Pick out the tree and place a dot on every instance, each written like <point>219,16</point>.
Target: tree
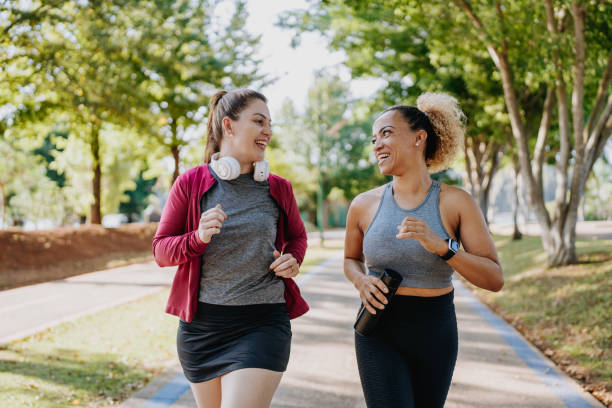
<point>129,64</point>
<point>563,29</point>
<point>539,51</point>
<point>77,59</point>
<point>185,61</point>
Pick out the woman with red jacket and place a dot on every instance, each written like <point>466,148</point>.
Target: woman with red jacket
<point>235,233</point>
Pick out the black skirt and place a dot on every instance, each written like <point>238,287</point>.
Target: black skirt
<point>221,339</point>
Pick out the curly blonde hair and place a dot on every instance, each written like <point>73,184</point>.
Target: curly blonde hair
<point>447,120</point>
<point>440,116</point>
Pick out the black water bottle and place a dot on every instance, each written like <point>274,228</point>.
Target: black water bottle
<point>366,321</point>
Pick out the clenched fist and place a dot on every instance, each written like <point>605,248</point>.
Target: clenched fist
<point>285,266</point>
<point>210,223</point>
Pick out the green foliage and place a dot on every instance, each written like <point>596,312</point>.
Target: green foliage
<point>137,197</point>
<point>26,193</point>
<point>126,80</point>
<point>46,151</point>
<point>412,46</point>
<point>448,177</point>
<point>333,140</point>
<point>185,61</point>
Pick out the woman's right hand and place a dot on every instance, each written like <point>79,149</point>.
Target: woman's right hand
<point>371,292</point>
<point>210,223</point>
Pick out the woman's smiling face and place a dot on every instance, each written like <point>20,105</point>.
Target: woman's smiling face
<point>395,144</point>
<point>250,134</point>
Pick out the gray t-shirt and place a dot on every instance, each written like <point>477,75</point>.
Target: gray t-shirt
<point>236,262</point>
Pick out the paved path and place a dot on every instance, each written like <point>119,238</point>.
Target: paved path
<point>496,367</point>
<point>30,309</point>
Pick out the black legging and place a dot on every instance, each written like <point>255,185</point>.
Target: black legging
<point>408,362</point>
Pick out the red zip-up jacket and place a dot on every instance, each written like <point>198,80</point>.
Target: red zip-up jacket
<point>176,241</point>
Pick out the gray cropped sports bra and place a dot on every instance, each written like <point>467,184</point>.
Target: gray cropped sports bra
<point>419,267</point>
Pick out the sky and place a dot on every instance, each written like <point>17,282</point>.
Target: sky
<point>294,68</point>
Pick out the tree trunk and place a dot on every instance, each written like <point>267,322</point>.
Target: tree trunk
<point>482,162</point>
<point>563,251</point>
<point>96,213</point>
<point>176,155</point>
<point>577,187</point>
<point>175,150</point>
<point>3,205</point>
<point>516,233</point>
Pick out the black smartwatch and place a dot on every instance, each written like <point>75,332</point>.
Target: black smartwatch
<point>453,248</point>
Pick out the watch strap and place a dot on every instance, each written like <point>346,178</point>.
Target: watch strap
<point>449,254</point>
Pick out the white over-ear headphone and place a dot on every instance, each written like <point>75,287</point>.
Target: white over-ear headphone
<point>228,168</point>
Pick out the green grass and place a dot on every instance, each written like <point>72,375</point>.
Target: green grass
<point>565,311</point>
<point>93,361</point>
<point>103,358</point>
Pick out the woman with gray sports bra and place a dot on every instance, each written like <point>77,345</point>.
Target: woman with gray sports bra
<point>413,225</point>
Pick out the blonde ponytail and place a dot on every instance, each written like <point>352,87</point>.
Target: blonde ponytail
<point>214,128</point>
<point>447,121</point>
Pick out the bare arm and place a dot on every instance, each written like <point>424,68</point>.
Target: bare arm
<point>370,287</point>
<point>478,262</point>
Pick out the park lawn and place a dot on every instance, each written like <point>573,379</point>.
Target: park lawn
<point>93,361</point>
<point>565,311</point>
<point>100,359</point>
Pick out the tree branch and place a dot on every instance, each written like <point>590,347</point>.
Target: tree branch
<point>500,17</point>
<point>482,32</point>
<point>23,16</point>
<point>602,90</point>
<point>495,156</point>
<point>598,139</point>
<point>579,14</point>
<point>514,111</point>
<point>468,163</point>
<point>578,10</point>
<point>550,17</point>
<point>543,131</point>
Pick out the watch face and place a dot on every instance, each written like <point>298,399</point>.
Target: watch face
<point>454,245</point>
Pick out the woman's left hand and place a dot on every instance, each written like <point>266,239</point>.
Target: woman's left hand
<point>285,266</point>
<point>416,228</point>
